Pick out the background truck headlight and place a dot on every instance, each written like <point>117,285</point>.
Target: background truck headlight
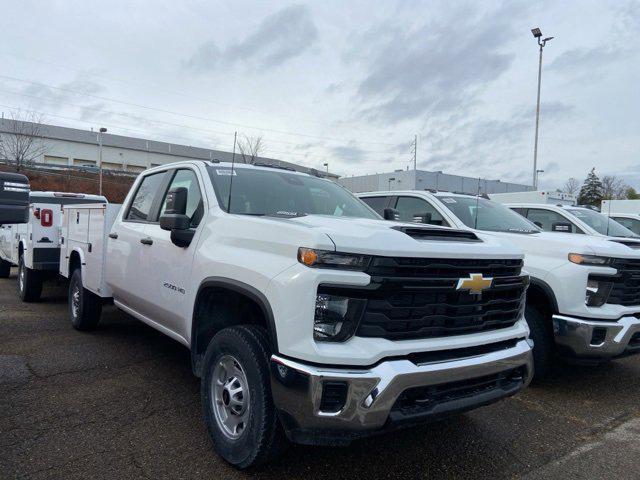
<point>336,317</point>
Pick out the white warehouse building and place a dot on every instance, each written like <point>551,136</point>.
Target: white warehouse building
<point>62,146</point>
<point>426,180</point>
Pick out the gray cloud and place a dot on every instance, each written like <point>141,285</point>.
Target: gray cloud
<point>280,37</point>
<point>435,69</point>
<point>349,154</point>
<point>74,91</point>
<point>578,60</point>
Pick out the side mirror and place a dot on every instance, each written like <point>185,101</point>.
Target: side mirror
<point>564,227</point>
<point>174,218</point>
<point>425,218</point>
<point>390,214</point>
<point>14,198</point>
<point>538,224</point>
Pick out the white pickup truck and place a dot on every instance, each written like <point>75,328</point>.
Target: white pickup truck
<point>308,317</point>
<point>583,303</point>
<point>34,247</point>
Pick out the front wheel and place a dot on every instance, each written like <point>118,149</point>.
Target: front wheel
<point>29,282</point>
<point>85,307</point>
<point>543,342</point>
<point>236,397</point>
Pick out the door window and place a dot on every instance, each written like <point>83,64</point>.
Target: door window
<point>414,209</point>
<point>546,218</point>
<point>195,207</point>
<point>376,203</point>
<point>140,209</point>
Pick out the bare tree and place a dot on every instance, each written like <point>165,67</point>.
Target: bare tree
<point>250,148</point>
<point>613,187</point>
<point>571,187</point>
<point>21,138</point>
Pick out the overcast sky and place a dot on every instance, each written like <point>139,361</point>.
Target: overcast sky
<point>348,83</point>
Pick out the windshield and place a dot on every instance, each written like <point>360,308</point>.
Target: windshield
<point>601,223</point>
<point>280,193</point>
<point>491,216</point>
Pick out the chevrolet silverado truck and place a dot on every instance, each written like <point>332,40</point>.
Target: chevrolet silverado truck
<point>583,303</point>
<point>308,317</point>
<point>34,247</point>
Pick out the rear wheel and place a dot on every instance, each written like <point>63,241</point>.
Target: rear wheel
<point>236,397</point>
<point>29,282</point>
<point>5,269</point>
<point>544,342</point>
<point>85,307</point>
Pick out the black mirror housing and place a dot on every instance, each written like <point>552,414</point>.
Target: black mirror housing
<point>14,198</point>
<point>390,214</point>
<point>177,201</point>
<point>425,218</point>
<point>174,221</point>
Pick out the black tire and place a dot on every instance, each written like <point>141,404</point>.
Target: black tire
<point>29,282</point>
<point>544,343</point>
<point>262,437</point>
<point>5,269</point>
<point>85,307</point>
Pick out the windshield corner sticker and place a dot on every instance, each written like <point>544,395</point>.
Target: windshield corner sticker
<point>225,171</point>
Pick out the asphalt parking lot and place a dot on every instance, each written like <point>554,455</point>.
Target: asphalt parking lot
<point>121,402</point>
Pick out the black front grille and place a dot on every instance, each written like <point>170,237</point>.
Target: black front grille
<point>421,400</point>
<point>411,298</point>
<point>626,283</point>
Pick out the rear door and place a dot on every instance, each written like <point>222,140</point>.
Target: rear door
<point>128,245</point>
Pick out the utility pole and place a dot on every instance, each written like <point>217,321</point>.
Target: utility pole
<point>100,132</point>
<point>415,162</point>
<point>537,34</point>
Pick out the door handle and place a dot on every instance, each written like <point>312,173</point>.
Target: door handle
<point>146,241</point>
<point>113,235</point>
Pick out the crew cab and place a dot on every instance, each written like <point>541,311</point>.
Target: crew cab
<point>308,317</point>
<point>583,303</point>
<point>570,219</point>
<point>34,247</point>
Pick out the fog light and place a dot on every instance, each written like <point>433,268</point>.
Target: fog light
<point>597,292</point>
<point>336,317</point>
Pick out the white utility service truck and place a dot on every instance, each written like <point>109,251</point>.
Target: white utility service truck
<point>620,206</point>
<point>583,303</point>
<point>34,247</point>
<point>535,196</point>
<point>308,317</point>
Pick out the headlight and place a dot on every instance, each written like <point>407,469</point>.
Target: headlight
<point>327,259</point>
<point>589,260</point>
<point>597,292</point>
<point>336,317</point>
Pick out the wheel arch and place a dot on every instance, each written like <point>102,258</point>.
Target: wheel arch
<point>541,295</point>
<point>237,287</point>
<point>76,260</point>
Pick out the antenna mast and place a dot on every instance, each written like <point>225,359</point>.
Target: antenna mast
<point>475,223</point>
<point>233,163</point>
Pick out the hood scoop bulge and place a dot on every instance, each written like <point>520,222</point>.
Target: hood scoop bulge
<point>438,234</point>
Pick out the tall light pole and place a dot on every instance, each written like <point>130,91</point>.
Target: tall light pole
<point>537,34</point>
<point>100,132</point>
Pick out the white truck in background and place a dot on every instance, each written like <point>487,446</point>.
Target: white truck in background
<point>34,247</point>
<point>620,206</point>
<point>535,196</point>
<point>307,316</point>
<point>583,303</point>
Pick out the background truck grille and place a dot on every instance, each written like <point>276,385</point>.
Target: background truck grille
<point>412,298</point>
<point>626,283</point>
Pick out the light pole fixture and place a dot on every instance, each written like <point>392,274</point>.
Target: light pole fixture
<point>537,34</point>
<point>326,165</point>
<point>538,172</point>
<point>100,132</point>
<point>392,179</point>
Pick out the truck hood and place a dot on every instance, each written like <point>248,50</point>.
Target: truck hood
<point>565,243</point>
<point>385,238</point>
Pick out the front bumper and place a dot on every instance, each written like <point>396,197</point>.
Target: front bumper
<point>595,339</point>
<point>370,402</point>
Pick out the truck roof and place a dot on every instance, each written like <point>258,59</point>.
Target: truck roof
<point>62,198</point>
<point>237,165</point>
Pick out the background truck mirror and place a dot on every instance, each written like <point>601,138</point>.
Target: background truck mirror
<point>177,201</point>
<point>425,218</point>
<point>562,227</point>
<point>174,221</point>
<point>14,198</point>
<point>391,214</point>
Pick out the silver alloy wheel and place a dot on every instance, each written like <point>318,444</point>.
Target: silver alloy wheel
<point>75,300</point>
<point>230,397</point>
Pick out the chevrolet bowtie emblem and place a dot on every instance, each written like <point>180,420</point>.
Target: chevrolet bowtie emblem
<point>476,283</point>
